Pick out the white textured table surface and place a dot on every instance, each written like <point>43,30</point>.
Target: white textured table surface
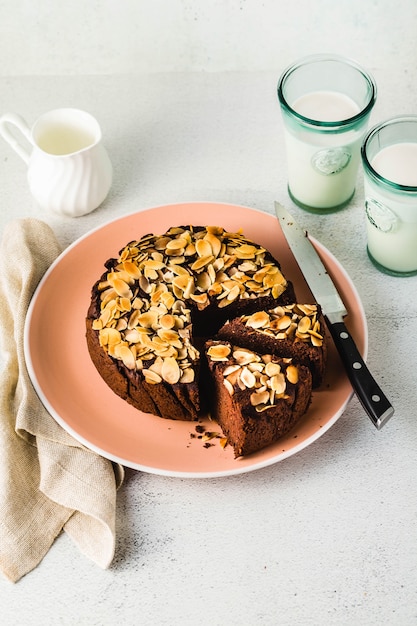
<point>328,536</point>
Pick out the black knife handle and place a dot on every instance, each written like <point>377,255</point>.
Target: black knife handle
<point>366,388</point>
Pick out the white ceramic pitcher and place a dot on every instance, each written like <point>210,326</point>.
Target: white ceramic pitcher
<point>69,171</point>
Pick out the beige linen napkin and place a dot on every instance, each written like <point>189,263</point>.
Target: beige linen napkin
<point>48,481</point>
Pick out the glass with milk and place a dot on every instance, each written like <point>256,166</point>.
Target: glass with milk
<point>326,102</point>
<point>389,157</point>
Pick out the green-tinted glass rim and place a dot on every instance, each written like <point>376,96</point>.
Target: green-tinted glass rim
<point>319,123</point>
<point>400,119</point>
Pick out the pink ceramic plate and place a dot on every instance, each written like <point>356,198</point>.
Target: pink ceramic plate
<point>76,396</point>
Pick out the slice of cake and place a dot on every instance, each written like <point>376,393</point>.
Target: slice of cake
<point>294,331</point>
<point>256,398</point>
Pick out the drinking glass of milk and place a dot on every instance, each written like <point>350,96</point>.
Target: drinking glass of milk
<point>389,157</point>
<point>326,101</point>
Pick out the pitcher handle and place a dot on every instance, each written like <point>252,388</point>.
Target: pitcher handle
<point>18,121</point>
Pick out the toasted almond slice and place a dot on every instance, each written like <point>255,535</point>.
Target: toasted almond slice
<point>168,300</point>
<point>292,374</point>
<point>201,299</point>
<point>256,367</point>
<point>113,336</point>
<point>167,321</point>
<point>245,251</point>
<point>119,273</point>
<point>277,290</point>
<point>272,369</point>
<point>148,319</point>
<point>107,296</point>
<point>304,325</point>
<point>263,407</point>
<point>127,356</point>
<point>317,343</point>
<point>134,318</point>
<point>151,377</point>
<point>230,369</point>
<point>214,242</point>
<point>171,372</point>
<point>161,243</point>
<point>145,285</point>
<point>153,264</point>
<point>277,382</point>
<point>219,352</point>
<point>244,357</point>
<point>257,398</point>
<point>307,309</point>
<point>131,269</point>
<point>203,281</point>
<point>228,386</point>
<point>233,293</point>
<point>170,336</point>
<point>176,244</point>
<point>124,304</point>
<point>187,375</point>
<point>202,262</point>
<point>203,248</point>
<point>260,319</point>
<point>248,378</point>
<point>282,323</point>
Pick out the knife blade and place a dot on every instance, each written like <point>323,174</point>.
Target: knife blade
<point>372,398</point>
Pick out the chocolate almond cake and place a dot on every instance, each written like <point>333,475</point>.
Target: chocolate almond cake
<point>161,297</point>
<point>257,398</point>
<point>157,307</point>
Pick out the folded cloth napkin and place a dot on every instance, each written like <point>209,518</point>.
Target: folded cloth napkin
<point>48,481</point>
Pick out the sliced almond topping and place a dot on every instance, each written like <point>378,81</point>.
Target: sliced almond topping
<point>218,352</point>
<point>203,281</point>
<point>260,319</point>
<point>148,319</point>
<point>203,248</point>
<point>131,269</point>
<point>272,369</point>
<point>202,262</point>
<point>121,288</point>
<point>317,343</point>
<point>304,324</point>
<point>170,336</point>
<point>230,369</point>
<point>214,242</point>
<point>228,386</point>
<point>244,357</point>
<point>176,244</point>
<point>248,378</point>
<point>245,251</point>
<point>151,377</point>
<point>200,299</point>
<point>127,356</point>
<point>171,372</point>
<point>277,383</point>
<point>233,293</point>
<point>292,374</point>
<point>187,376</point>
<point>167,321</point>
<point>259,398</point>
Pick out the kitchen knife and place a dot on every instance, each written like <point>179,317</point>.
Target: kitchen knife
<point>373,400</point>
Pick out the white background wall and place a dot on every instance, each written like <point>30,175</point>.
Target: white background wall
<point>134,36</point>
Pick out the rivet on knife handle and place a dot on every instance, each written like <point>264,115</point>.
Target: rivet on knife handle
<point>369,393</point>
